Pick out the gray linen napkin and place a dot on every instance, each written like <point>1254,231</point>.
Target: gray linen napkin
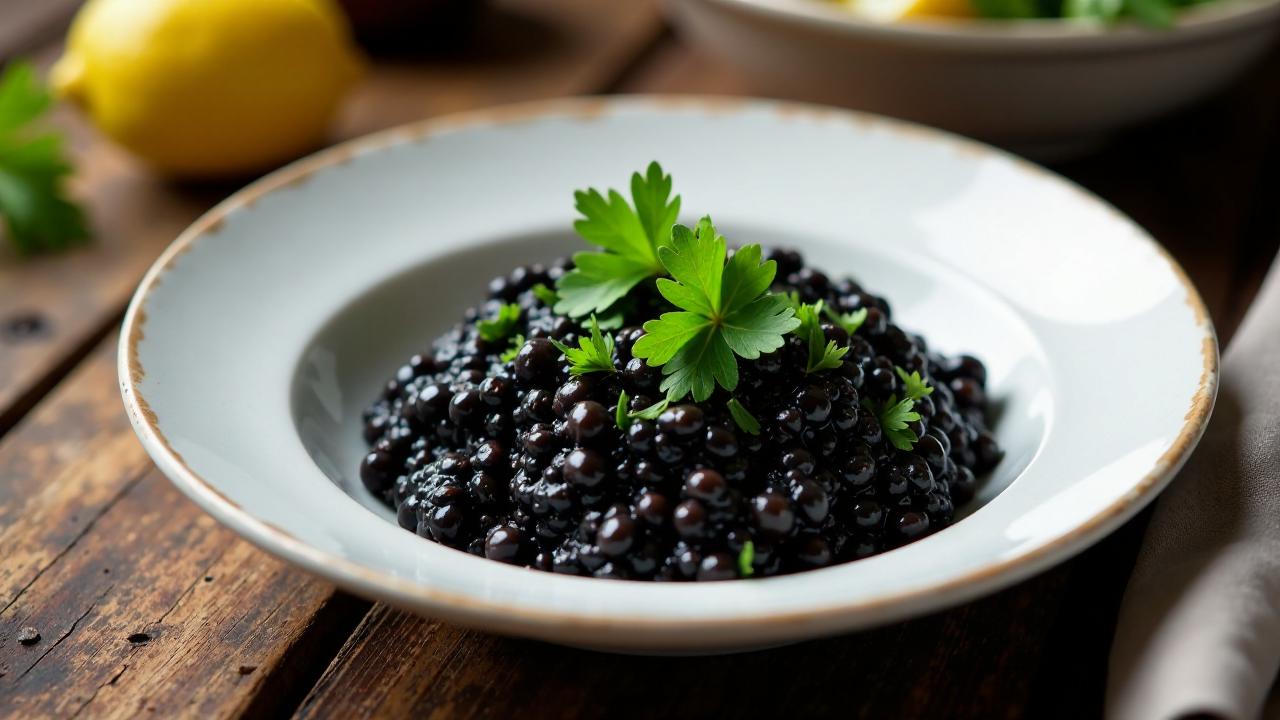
<point>1199,627</point>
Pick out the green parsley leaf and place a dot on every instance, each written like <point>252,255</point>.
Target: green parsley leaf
<point>823,353</point>
<point>726,310</point>
<point>517,342</point>
<point>629,236</point>
<point>1156,13</point>
<point>895,414</point>
<point>594,354</point>
<point>37,215</point>
<point>501,325</point>
<point>652,412</point>
<point>849,321</point>
<point>620,416</point>
<point>545,294</point>
<point>616,316</point>
<point>914,386</point>
<point>743,417</point>
<point>746,559</point>
<point>1104,10</point>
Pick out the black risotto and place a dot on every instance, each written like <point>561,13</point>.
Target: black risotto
<point>519,461</point>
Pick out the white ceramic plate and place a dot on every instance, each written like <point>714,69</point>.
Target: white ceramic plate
<point>256,339</point>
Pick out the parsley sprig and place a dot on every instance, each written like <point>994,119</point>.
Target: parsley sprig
<point>548,296</point>
<point>624,417</point>
<point>895,415</point>
<point>37,215</point>
<point>849,321</point>
<point>823,354</point>
<point>630,235</point>
<point>513,349</point>
<point>743,417</point>
<point>500,326</point>
<point>726,310</point>
<point>593,354</point>
<point>746,559</point>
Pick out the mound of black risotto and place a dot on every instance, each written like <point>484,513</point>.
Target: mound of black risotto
<point>516,459</point>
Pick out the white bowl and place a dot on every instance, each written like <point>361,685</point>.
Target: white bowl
<point>256,339</point>
<point>1039,85</point>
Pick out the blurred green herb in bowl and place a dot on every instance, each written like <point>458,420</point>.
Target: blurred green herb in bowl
<point>1155,13</point>
<point>38,217</point>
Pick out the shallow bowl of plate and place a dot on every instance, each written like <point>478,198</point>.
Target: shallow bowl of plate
<point>256,339</point>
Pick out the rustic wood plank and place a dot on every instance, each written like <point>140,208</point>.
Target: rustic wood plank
<point>54,309</point>
<point>141,600</point>
<point>1036,649</point>
<point>398,665</point>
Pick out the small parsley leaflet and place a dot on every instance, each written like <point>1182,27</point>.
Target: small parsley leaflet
<point>746,559</point>
<point>501,325</point>
<point>650,413</point>
<point>517,342</point>
<point>620,416</point>
<point>823,353</point>
<point>849,321</point>
<point>894,415</point>
<point>743,417</point>
<point>593,354</point>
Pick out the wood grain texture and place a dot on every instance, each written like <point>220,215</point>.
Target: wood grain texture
<point>142,601</point>
<point>54,309</point>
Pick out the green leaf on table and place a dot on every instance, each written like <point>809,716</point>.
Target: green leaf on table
<point>37,215</point>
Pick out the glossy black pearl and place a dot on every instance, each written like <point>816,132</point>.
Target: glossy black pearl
<point>378,471</point>
<point>584,468</point>
<point>706,485</point>
<point>772,513</point>
<point>682,420</point>
<point>689,518</point>
<point>717,566</point>
<point>537,362</point>
<point>814,404</point>
<point>432,402</point>
<point>616,535</point>
<point>587,420</point>
<point>652,507</point>
<point>721,442</point>
<point>503,543</point>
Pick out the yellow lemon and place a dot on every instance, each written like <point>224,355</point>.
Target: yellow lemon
<point>890,10</point>
<point>209,87</point>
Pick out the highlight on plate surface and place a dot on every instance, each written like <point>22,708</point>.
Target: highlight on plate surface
<point>665,406</point>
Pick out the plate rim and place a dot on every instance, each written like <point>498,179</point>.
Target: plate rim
<point>518,619</point>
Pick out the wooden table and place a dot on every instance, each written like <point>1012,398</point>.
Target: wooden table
<point>145,606</point>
